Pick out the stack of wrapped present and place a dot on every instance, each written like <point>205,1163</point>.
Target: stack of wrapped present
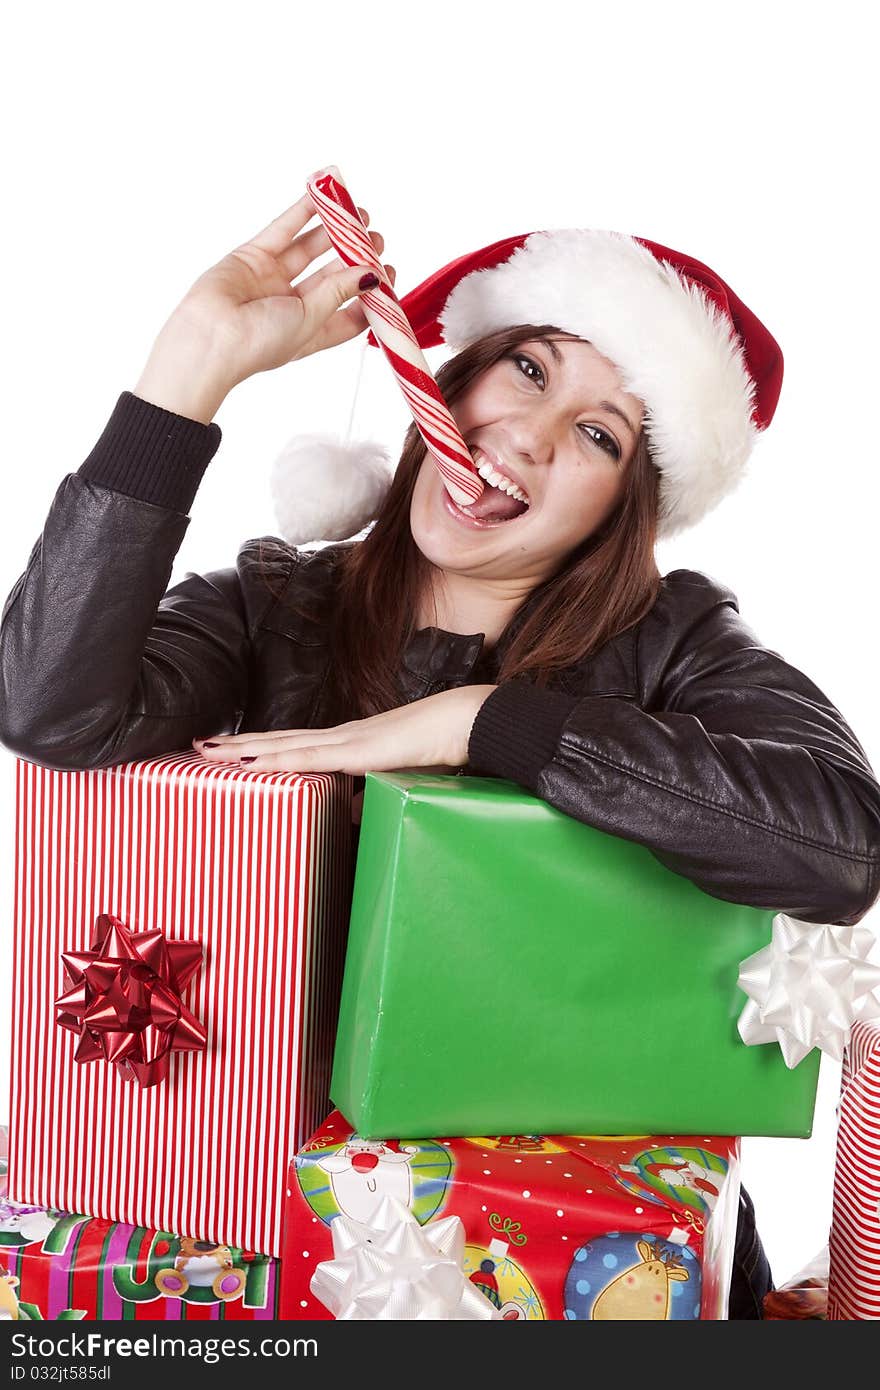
<point>559,1012</point>
<point>178,952</point>
<point>534,1029</point>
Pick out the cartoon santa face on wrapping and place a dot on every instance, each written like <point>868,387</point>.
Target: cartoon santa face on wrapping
<point>364,1172</point>
<point>693,1176</point>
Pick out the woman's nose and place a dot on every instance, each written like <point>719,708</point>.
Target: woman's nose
<point>537,432</point>
<point>532,445</point>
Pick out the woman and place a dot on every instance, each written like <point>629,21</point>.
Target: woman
<point>614,387</point>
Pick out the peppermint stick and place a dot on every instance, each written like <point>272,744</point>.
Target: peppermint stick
<point>336,209</point>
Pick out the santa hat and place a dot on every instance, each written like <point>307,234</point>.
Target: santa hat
<point>706,369</point>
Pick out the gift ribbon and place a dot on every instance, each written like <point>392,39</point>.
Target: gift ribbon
<point>399,1270</point>
<point>124,1000</point>
<point>808,987</point>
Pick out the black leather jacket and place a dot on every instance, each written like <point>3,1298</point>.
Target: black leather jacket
<point>683,734</point>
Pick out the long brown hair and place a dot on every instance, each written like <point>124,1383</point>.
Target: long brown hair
<point>604,586</point>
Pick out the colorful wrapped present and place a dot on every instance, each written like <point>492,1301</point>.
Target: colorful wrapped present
<point>179,938</point>
<point>556,1226</point>
<point>58,1266</point>
<point>511,968</point>
<point>854,1242</point>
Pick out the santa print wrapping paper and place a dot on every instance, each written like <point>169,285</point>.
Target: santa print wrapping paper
<point>854,1242</point>
<point>54,1264</point>
<point>256,868</point>
<point>557,1226</point>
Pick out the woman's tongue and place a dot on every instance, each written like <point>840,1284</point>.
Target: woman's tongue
<point>494,505</point>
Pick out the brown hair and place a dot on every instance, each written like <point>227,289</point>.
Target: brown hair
<point>604,586</point>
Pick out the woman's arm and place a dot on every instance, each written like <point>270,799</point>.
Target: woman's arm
<point>746,780</point>
<point>98,664</point>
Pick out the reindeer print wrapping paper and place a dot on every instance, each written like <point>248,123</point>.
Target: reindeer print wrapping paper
<point>558,1226</point>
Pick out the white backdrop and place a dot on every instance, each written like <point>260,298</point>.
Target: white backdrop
<point>141,143</point>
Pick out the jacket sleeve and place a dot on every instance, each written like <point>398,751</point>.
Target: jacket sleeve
<point>98,663</point>
<point>742,776</point>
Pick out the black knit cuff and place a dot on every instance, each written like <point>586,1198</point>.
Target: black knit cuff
<point>152,454</point>
<point>517,731</point>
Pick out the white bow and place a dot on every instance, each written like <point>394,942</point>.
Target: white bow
<point>808,987</point>
<point>399,1272</point>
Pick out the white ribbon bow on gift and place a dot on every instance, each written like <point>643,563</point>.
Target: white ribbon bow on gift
<point>808,987</point>
<point>401,1271</point>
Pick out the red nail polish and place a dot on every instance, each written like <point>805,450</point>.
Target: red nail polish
<point>368,282</point>
<point>210,745</point>
<point>251,759</point>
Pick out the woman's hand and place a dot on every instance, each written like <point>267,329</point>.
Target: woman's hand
<point>244,316</point>
<point>431,733</point>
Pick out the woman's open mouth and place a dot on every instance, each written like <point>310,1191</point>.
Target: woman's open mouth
<point>501,501</point>
<point>475,522</point>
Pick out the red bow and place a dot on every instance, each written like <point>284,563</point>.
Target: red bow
<point>124,1000</point>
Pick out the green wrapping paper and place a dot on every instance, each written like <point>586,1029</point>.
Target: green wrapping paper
<point>512,970</point>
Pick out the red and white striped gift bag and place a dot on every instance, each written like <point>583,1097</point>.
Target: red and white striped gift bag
<point>854,1243</point>
<point>256,867</point>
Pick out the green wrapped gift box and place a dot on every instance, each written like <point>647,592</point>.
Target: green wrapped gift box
<point>511,970</point>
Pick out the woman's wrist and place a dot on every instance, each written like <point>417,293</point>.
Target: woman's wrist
<point>195,400</point>
<point>180,376</point>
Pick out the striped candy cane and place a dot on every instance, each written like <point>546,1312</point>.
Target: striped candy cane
<point>334,205</point>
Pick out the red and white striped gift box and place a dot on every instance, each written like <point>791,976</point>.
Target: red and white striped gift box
<point>256,867</point>
<point>854,1243</point>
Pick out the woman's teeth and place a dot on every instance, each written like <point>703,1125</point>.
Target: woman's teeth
<point>499,481</point>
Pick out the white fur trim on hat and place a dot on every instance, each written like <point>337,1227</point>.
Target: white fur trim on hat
<point>325,489</point>
<point>675,350</point>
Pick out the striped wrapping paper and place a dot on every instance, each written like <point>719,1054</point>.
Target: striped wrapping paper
<point>854,1243</point>
<point>257,868</point>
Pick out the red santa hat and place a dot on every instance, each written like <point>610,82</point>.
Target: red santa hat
<point>706,369</point>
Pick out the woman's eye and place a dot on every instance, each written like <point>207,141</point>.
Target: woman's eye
<point>603,440</point>
<point>597,436</point>
<point>518,358</point>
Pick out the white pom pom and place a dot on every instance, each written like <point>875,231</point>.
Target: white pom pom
<point>325,490</point>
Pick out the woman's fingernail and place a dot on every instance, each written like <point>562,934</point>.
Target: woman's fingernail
<point>368,282</point>
<point>251,759</point>
<point>206,744</point>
